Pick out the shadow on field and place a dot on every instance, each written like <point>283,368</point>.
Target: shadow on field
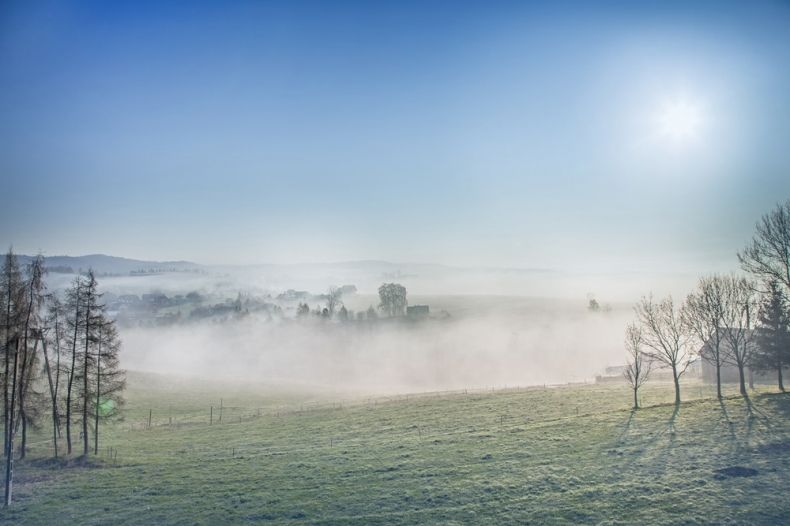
<point>626,427</point>
<point>725,416</point>
<point>765,418</point>
<point>662,457</point>
<point>776,403</point>
<point>671,421</point>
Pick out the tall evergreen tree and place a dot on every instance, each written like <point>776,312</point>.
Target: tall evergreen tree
<point>12,302</point>
<point>773,333</point>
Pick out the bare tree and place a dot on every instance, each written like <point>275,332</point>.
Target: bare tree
<point>31,337</point>
<point>637,369</point>
<point>92,321</point>
<point>74,306</point>
<point>666,336</point>
<point>56,336</point>
<point>739,306</point>
<point>21,374</point>
<point>703,312</point>
<point>768,254</point>
<point>334,297</point>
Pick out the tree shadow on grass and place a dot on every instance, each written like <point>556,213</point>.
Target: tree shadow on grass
<point>725,416</point>
<point>626,427</point>
<point>662,457</point>
<point>642,452</point>
<point>756,414</point>
<point>776,403</point>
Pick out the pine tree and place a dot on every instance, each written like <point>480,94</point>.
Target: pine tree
<point>773,334</point>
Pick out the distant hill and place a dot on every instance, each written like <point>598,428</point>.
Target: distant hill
<point>103,264</point>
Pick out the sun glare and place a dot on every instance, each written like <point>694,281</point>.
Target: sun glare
<point>679,120</point>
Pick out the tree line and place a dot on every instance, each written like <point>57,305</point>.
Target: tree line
<point>392,303</point>
<point>60,363</point>
<point>737,319</point>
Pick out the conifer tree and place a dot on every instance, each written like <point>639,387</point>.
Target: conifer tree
<point>773,334</point>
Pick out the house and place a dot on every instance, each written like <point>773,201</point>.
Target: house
<point>417,312</point>
<point>729,371</point>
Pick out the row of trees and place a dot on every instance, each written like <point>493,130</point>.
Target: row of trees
<point>392,303</point>
<point>59,362</point>
<point>742,320</point>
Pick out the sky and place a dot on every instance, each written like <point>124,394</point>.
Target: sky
<point>601,136</point>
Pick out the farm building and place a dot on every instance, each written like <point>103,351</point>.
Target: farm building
<point>729,371</point>
<point>417,312</point>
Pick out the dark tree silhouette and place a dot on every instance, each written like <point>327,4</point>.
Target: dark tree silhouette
<point>392,297</point>
<point>704,310</point>
<point>666,336</point>
<point>13,301</point>
<point>637,369</point>
<point>739,308</point>
<point>768,254</point>
<point>772,337</point>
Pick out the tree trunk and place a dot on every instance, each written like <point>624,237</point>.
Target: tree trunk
<point>7,366</point>
<point>742,379</point>
<point>636,400</point>
<point>718,379</point>
<point>98,392</point>
<point>70,384</point>
<point>9,460</point>
<point>5,391</point>
<point>68,394</point>
<point>23,443</point>
<point>779,375</point>
<point>22,375</point>
<point>677,384</point>
<point>751,379</point>
<point>85,396</point>
<point>53,396</point>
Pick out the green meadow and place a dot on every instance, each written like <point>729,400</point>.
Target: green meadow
<point>542,455</point>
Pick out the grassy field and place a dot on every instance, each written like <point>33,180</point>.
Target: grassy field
<point>573,454</point>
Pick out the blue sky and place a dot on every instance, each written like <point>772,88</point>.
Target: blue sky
<point>499,134</point>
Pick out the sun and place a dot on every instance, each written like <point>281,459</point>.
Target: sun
<point>679,120</point>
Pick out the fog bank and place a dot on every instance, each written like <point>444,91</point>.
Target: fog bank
<point>531,342</point>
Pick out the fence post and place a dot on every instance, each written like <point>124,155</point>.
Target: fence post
<point>150,411</point>
<point>211,416</point>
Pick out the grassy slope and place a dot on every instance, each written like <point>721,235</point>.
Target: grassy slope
<point>574,454</point>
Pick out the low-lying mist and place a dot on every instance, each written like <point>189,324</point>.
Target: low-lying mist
<point>485,342</point>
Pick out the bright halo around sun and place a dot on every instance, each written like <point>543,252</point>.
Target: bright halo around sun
<point>679,121</point>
